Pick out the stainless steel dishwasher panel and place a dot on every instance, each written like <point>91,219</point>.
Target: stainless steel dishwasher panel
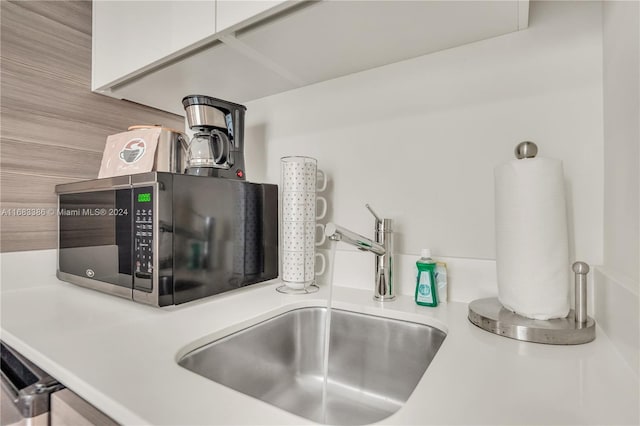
<point>26,390</point>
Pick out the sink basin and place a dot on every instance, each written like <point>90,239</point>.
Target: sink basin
<point>375,363</point>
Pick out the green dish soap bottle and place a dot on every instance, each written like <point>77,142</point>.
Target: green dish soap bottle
<point>426,290</point>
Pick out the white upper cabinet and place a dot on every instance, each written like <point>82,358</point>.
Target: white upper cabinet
<point>233,12</point>
<point>335,38</point>
<point>261,48</point>
<point>131,35</point>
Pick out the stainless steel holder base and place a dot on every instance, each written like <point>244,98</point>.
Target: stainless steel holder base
<point>490,315</point>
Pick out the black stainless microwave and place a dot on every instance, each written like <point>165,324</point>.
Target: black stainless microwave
<point>165,239</point>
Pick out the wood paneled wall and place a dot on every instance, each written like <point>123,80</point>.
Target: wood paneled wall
<point>53,128</point>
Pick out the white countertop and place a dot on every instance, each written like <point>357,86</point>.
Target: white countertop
<point>121,357</point>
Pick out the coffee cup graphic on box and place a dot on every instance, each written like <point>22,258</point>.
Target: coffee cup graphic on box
<point>133,151</point>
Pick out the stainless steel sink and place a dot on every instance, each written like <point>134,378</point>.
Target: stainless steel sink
<point>375,363</point>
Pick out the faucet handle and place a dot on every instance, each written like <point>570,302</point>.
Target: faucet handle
<point>373,213</point>
<point>382,225</point>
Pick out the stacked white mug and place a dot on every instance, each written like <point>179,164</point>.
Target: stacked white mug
<point>298,214</point>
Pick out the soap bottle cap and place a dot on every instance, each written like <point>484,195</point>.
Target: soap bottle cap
<point>425,253</point>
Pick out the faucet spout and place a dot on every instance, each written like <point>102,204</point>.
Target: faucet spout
<point>338,233</point>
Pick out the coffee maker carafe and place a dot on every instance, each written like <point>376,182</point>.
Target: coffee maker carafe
<point>217,147</point>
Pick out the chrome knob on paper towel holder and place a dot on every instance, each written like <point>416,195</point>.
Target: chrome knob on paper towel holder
<point>526,149</point>
<point>576,328</point>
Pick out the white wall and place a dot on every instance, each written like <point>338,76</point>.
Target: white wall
<point>419,139</point>
<point>622,139</point>
<point>617,285</point>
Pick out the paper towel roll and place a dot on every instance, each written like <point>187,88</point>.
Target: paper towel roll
<point>532,250</point>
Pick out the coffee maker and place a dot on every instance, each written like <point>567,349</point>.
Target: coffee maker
<point>217,148</point>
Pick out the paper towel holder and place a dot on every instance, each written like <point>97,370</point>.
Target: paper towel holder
<point>577,328</point>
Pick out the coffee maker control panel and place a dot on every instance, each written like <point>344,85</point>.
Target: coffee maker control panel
<point>143,238</point>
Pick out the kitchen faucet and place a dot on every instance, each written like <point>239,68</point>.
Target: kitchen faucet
<point>382,247</point>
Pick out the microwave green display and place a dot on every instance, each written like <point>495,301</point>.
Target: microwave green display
<point>144,197</point>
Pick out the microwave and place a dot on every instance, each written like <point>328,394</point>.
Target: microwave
<point>165,239</point>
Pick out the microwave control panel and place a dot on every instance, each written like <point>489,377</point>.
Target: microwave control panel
<point>143,238</point>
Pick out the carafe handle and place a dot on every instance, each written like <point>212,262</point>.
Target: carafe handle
<point>225,147</point>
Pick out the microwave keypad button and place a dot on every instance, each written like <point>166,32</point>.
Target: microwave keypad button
<point>143,227</point>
